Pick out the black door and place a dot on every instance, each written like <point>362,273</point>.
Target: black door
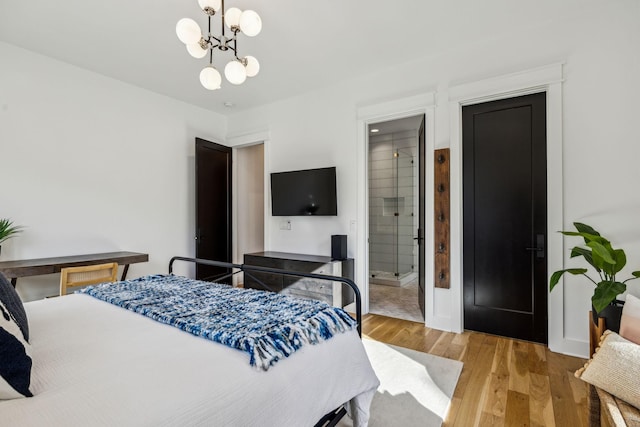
<point>505,217</point>
<point>421,215</point>
<point>213,207</point>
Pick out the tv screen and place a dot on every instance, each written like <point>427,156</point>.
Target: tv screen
<point>304,192</point>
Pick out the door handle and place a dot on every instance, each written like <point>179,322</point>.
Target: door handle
<point>539,249</point>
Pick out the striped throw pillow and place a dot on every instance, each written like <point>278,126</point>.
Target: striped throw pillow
<point>15,351</point>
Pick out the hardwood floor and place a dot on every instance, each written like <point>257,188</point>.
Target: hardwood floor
<point>504,382</point>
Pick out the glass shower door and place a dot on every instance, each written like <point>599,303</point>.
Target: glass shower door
<point>404,183</point>
<point>392,204</point>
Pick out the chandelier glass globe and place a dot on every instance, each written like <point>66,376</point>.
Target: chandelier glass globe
<point>188,31</point>
<point>210,78</point>
<point>252,67</point>
<point>232,17</point>
<point>213,4</point>
<point>250,23</point>
<point>196,50</point>
<point>235,72</point>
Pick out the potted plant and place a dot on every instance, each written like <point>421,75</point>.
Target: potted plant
<point>8,230</point>
<point>607,262</point>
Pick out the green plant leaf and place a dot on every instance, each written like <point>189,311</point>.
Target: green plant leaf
<point>605,293</point>
<point>555,277</point>
<point>600,250</point>
<point>598,261</point>
<point>586,254</point>
<point>621,260</point>
<point>579,234</point>
<point>584,228</point>
<point>7,229</point>
<point>636,274</point>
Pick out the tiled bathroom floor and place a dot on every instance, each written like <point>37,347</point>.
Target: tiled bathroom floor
<point>395,301</point>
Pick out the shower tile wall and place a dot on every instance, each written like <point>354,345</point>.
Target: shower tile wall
<point>391,245</point>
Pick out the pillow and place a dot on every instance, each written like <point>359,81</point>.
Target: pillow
<point>630,321</point>
<point>15,351</point>
<point>615,368</point>
<point>12,301</point>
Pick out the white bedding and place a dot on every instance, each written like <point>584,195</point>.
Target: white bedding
<point>96,364</point>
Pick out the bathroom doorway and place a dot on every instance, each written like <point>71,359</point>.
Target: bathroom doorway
<point>395,235</point>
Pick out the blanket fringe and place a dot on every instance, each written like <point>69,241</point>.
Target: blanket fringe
<point>268,349</point>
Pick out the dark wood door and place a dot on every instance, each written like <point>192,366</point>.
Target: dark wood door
<point>213,207</point>
<point>505,217</point>
<point>421,216</point>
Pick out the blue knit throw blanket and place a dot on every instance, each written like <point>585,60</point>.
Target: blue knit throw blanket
<point>267,326</point>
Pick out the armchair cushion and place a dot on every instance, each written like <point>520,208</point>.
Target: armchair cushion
<point>630,322</point>
<point>615,368</point>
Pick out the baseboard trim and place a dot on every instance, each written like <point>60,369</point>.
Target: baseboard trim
<point>570,347</point>
<point>440,323</point>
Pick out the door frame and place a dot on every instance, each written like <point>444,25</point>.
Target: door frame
<point>246,140</point>
<point>382,112</point>
<point>546,79</point>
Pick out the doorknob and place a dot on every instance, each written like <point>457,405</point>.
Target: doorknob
<point>539,249</point>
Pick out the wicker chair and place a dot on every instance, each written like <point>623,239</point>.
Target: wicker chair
<point>87,275</point>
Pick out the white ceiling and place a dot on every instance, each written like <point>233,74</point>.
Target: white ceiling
<point>398,125</point>
<point>304,45</point>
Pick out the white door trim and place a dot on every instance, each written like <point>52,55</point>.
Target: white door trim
<point>546,79</point>
<point>246,140</point>
<point>380,112</point>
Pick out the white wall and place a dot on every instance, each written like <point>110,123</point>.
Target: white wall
<point>90,164</point>
<point>316,136</point>
<point>600,44</point>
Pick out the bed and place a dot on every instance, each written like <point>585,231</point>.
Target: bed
<point>95,363</point>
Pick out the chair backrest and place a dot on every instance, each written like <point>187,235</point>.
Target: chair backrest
<point>87,275</point>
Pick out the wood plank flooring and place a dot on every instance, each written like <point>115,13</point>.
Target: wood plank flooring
<point>504,382</point>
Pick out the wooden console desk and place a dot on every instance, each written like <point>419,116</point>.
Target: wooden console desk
<point>333,293</point>
<point>35,267</point>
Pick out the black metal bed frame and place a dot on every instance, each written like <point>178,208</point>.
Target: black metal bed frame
<point>257,269</point>
<point>332,418</point>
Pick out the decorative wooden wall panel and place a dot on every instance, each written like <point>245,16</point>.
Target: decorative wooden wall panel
<point>441,215</point>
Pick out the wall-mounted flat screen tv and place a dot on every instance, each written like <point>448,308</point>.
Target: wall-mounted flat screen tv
<point>304,192</point>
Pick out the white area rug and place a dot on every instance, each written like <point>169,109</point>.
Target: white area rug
<point>415,388</point>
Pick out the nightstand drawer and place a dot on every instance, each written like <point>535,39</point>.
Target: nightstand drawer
<point>328,298</point>
<point>302,285</point>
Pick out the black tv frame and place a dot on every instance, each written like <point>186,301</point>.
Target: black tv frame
<point>281,206</point>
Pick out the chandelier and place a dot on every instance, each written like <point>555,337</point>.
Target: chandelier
<point>198,45</point>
